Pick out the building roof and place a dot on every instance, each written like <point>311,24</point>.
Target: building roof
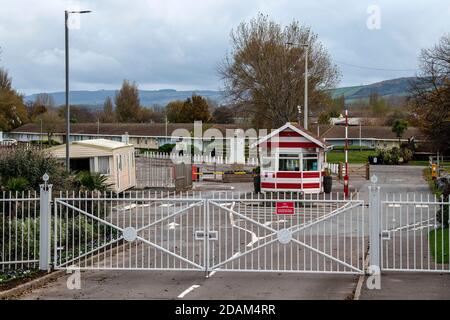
<point>133,129</point>
<point>103,143</point>
<point>305,133</point>
<point>367,132</point>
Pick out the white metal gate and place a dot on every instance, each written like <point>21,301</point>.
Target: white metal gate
<point>151,232</point>
<point>226,232</point>
<point>325,236</point>
<point>414,233</point>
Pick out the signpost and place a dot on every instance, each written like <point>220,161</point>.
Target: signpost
<point>285,208</point>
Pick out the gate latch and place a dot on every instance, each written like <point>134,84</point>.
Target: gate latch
<point>212,235</point>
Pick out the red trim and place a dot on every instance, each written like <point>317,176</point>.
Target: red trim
<point>293,175</point>
<point>289,134</point>
<point>303,145</point>
<point>268,185</point>
<point>311,185</point>
<point>289,186</point>
<point>311,174</point>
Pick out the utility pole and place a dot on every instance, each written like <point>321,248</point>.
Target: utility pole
<point>66,26</point>
<point>306,87</point>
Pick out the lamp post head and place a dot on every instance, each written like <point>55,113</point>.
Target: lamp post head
<point>80,12</point>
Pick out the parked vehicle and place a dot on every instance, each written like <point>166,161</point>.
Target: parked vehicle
<point>8,142</point>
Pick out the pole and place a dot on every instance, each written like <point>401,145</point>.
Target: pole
<point>306,89</point>
<point>66,13</point>
<point>166,127</point>
<point>360,143</point>
<point>346,156</point>
<point>41,138</point>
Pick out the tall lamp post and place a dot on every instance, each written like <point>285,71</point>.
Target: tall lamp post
<point>305,114</point>
<point>66,21</point>
<point>305,124</point>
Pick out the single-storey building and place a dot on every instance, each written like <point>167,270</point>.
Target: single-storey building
<point>376,137</point>
<point>113,159</point>
<point>292,159</point>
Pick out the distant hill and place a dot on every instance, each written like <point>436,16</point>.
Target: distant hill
<point>394,87</point>
<point>95,99</point>
<point>148,97</point>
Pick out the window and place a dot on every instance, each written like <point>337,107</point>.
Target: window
<point>103,165</point>
<point>310,162</point>
<point>268,164</point>
<point>289,162</point>
<point>119,162</point>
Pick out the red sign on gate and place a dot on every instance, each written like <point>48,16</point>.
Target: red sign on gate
<point>285,208</point>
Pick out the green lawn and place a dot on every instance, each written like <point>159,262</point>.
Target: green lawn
<point>441,250</point>
<point>354,156</point>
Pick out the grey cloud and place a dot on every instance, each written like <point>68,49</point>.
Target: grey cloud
<point>178,44</point>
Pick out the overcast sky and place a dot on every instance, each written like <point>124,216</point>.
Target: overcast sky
<point>178,43</point>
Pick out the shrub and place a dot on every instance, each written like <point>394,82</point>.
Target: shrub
<point>407,154</point>
<point>167,148</point>
<point>92,181</point>
<point>17,184</point>
<point>22,236</point>
<point>442,215</point>
<point>32,165</point>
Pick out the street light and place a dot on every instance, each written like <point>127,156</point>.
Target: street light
<point>305,111</point>
<point>66,15</point>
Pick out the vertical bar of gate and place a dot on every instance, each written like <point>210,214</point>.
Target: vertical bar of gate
<point>44,225</point>
<point>374,224</point>
<point>206,235</point>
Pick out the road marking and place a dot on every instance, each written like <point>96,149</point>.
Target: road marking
<point>211,274</point>
<point>166,205</point>
<point>185,292</point>
<point>132,206</point>
<point>421,206</point>
<point>391,205</point>
<point>173,225</point>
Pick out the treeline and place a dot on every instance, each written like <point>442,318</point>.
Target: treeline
<point>125,107</point>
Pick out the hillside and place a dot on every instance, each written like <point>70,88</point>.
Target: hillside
<point>393,87</point>
<point>148,97</point>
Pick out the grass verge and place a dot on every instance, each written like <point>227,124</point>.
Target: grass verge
<point>354,156</point>
<point>439,244</point>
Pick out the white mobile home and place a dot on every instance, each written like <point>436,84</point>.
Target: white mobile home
<point>111,158</point>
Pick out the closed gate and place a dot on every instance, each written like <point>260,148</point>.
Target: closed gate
<point>226,232</point>
<point>316,235</point>
<point>414,233</point>
<point>155,232</point>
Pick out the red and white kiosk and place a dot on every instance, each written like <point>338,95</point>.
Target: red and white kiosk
<point>292,159</point>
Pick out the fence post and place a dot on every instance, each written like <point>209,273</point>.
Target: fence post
<point>45,196</point>
<point>374,224</point>
<point>367,171</point>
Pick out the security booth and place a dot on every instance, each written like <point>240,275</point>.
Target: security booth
<point>293,160</point>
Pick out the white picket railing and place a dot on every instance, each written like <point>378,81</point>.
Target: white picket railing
<point>332,167</point>
<point>198,158</point>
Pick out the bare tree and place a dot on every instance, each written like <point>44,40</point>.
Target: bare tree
<point>50,121</point>
<point>430,94</point>
<point>264,72</point>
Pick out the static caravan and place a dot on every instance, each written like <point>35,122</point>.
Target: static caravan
<point>111,158</point>
<point>292,159</point>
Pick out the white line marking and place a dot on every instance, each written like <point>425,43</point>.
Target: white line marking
<point>212,273</point>
<point>173,225</point>
<point>391,205</point>
<point>185,292</point>
<point>166,205</point>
